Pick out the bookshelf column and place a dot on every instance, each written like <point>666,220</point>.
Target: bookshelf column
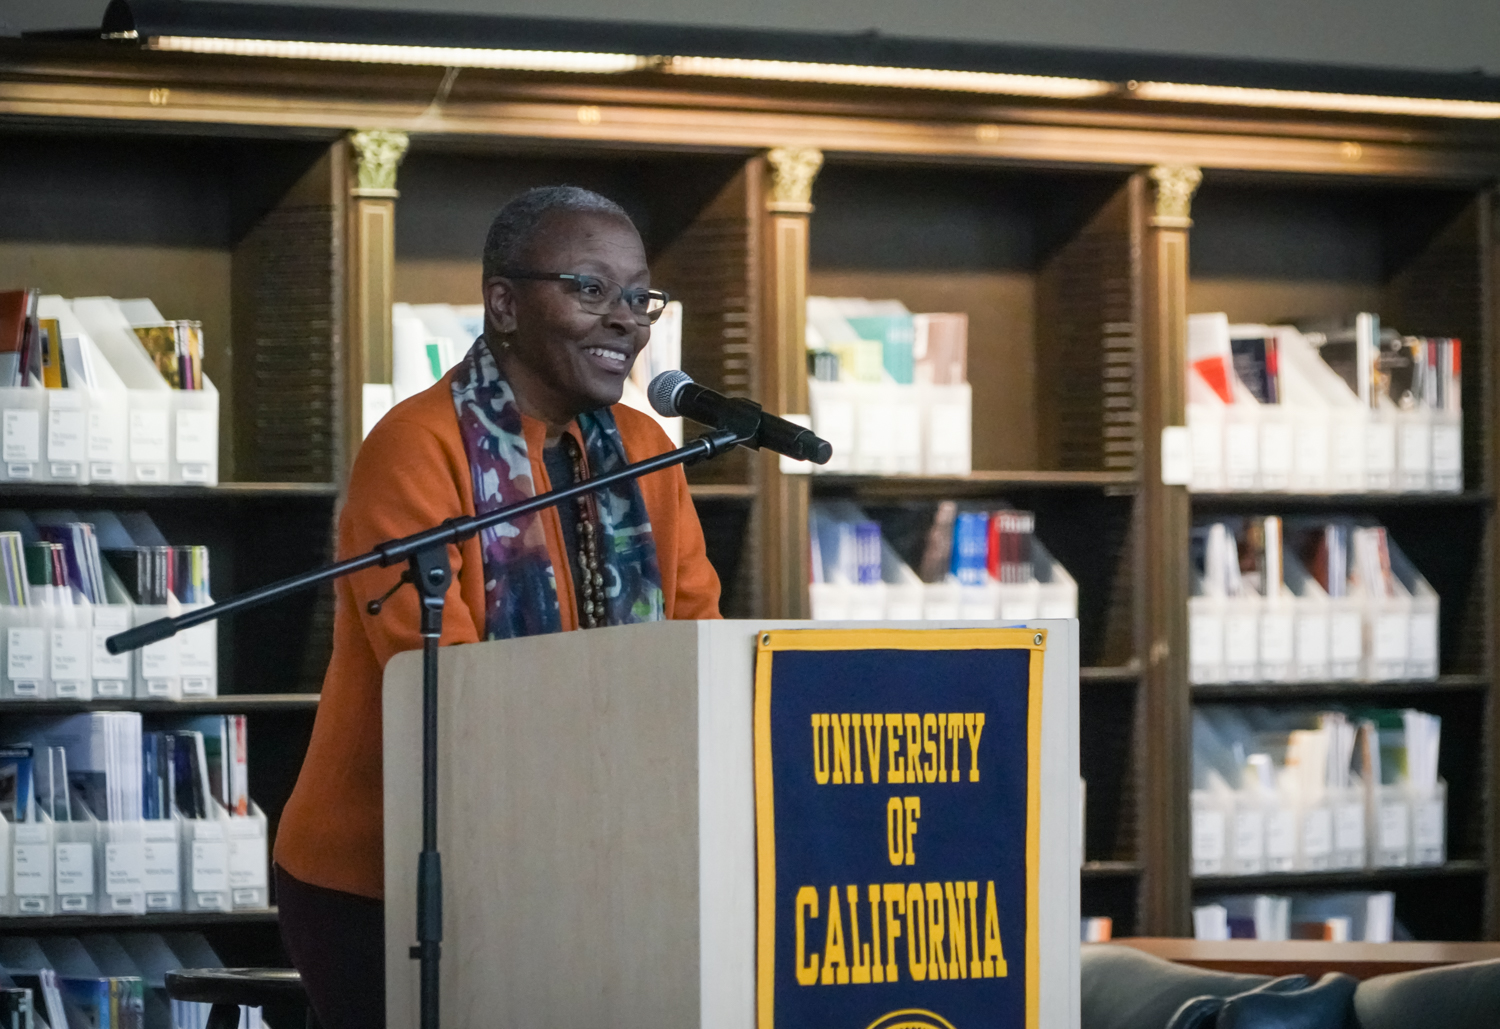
<point>372,263</point>
<point>1489,463</point>
<point>1167,752</point>
<point>783,376</point>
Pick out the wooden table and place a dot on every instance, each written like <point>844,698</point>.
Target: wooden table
<point>1312,957</point>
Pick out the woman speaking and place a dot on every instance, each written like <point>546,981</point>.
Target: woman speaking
<point>533,406</point>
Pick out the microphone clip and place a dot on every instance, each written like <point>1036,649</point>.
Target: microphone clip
<point>742,419</point>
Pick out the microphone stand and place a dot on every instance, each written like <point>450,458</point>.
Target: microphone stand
<point>428,570</point>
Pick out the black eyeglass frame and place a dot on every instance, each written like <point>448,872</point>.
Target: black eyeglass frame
<point>580,277</point>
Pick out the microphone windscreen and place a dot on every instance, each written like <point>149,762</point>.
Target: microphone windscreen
<point>663,392</point>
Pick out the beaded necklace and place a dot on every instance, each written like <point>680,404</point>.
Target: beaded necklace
<point>591,612</point>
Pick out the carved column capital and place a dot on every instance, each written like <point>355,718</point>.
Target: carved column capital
<point>793,169</point>
<point>1175,185</point>
<point>377,155</point>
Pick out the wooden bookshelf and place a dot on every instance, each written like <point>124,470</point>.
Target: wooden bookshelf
<point>225,704</point>
<point>1070,231</point>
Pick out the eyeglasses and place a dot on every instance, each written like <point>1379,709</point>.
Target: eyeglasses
<point>598,295</point>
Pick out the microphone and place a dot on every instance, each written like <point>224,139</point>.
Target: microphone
<point>674,393</point>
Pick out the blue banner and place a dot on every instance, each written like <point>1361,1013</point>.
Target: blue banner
<point>897,793</point>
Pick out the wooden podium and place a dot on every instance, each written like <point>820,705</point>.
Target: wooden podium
<point>598,828</point>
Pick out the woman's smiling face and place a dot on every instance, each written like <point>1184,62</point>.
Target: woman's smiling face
<point>561,359</point>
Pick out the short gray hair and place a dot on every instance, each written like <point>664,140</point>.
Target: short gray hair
<point>515,226</point>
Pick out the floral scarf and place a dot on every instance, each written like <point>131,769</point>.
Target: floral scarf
<point>520,585</point>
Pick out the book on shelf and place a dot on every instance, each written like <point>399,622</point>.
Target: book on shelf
<point>106,980</point>
<point>1098,929</point>
<point>888,388</point>
<point>1365,917</point>
<point>1305,598</point>
<point>96,389</point>
<point>72,579</point>
<point>1350,407</point>
<point>53,343</point>
<point>1287,790</point>
<point>974,564</point>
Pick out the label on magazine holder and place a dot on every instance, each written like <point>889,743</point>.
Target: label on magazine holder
<point>22,437</point>
<point>1349,827</point>
<point>1390,637</point>
<point>1392,825</point>
<point>23,470</point>
<point>70,655</point>
<point>159,863</point>
<point>33,869</point>
<point>1317,832</point>
<point>75,869</point>
<point>1416,447</point>
<point>25,654</point>
<point>124,868</point>
<point>1424,631</point>
<point>1312,640</point>
<point>194,473</point>
<point>1427,823</point>
<point>1447,450</point>
<point>159,660</point>
<point>106,439</point>
<point>1241,639</point>
<point>148,437</point>
<point>1208,840</point>
<point>195,438</point>
<point>247,861</point>
<point>1276,637</point>
<point>197,652</point>
<point>1249,835</point>
<point>210,866</point>
<point>1345,636</point>
<point>1205,640</point>
<point>105,664</point>
<point>1281,839</point>
<point>67,429</point>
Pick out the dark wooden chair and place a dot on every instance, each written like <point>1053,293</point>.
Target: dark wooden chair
<point>228,988</point>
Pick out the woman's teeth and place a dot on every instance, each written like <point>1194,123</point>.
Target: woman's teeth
<point>613,356</point>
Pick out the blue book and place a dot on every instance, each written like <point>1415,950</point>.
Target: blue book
<point>971,531</point>
<point>867,551</point>
<point>16,783</point>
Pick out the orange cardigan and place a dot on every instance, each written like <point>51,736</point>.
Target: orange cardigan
<point>411,473</point>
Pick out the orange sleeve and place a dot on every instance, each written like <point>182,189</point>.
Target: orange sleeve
<point>697,582</point>
<point>405,480</point>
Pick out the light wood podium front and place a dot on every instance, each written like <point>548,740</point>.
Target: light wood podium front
<point>597,828</point>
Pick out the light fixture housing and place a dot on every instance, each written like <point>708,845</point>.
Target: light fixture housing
<point>586,46</point>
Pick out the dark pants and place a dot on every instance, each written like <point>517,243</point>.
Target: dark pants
<point>337,941</point>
